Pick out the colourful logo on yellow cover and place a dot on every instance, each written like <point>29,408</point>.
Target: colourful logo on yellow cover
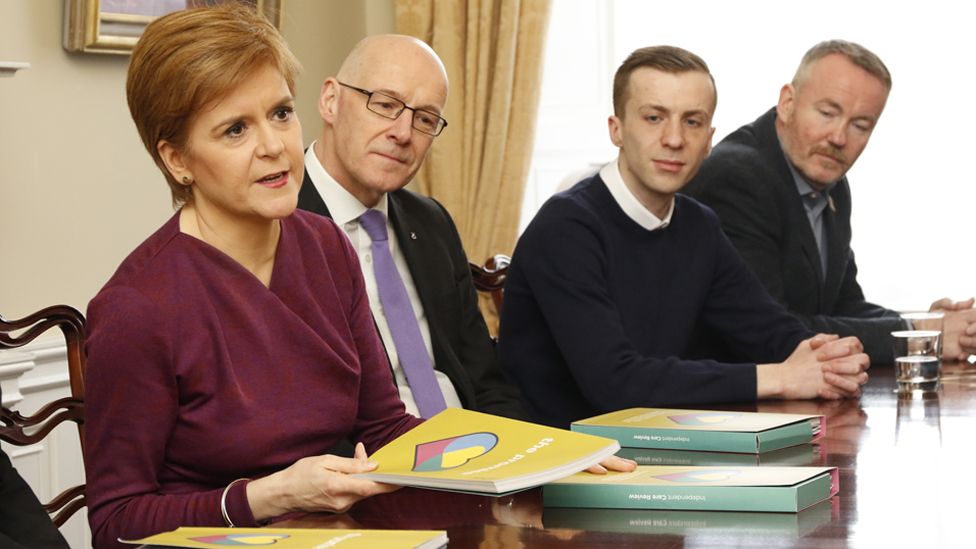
<point>241,540</point>
<point>704,418</point>
<point>712,475</point>
<point>449,453</point>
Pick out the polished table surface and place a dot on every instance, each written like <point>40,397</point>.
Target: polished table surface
<point>905,481</point>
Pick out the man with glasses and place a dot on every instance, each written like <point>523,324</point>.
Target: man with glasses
<point>381,113</point>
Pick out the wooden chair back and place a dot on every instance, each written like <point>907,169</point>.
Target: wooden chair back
<point>21,430</point>
<point>491,277</point>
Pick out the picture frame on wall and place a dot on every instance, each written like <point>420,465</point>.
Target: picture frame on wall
<point>114,26</point>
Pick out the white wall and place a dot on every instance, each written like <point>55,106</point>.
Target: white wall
<point>913,206</point>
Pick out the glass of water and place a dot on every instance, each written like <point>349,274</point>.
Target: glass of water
<point>925,320</point>
<point>918,359</point>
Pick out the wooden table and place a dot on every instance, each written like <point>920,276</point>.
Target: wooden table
<point>905,473</point>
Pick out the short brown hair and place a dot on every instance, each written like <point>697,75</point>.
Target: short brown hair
<point>663,58</point>
<point>856,53</point>
<point>189,59</point>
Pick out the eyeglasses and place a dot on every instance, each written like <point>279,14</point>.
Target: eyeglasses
<point>391,107</point>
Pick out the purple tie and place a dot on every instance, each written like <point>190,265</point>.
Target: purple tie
<point>403,322</point>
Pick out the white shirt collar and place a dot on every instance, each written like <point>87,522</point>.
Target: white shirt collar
<point>343,206</point>
<point>610,174</point>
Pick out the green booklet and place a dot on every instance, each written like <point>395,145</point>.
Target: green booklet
<point>709,430</point>
<point>714,524</point>
<point>467,451</point>
<point>777,489</point>
<point>801,455</point>
<point>296,538</point>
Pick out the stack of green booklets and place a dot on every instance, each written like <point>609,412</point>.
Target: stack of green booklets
<point>295,538</point>
<point>704,460</point>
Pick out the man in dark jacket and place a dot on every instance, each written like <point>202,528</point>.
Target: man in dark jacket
<point>779,187</point>
<point>380,116</point>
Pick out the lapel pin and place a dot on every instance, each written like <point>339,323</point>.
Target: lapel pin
<point>413,235</point>
<point>830,203</point>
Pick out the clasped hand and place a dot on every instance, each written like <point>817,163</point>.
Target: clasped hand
<point>843,364</point>
<point>958,328</point>
<point>825,366</point>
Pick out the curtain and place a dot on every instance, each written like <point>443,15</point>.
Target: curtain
<point>477,168</point>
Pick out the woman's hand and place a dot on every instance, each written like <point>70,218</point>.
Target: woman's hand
<point>613,463</point>
<point>318,483</point>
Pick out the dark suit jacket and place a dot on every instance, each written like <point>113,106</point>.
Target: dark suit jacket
<point>748,182</point>
<point>23,522</point>
<point>462,347</point>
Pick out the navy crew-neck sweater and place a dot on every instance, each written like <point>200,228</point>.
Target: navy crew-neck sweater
<point>600,313</point>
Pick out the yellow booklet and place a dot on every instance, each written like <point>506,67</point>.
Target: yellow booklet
<point>295,538</point>
<point>465,451</point>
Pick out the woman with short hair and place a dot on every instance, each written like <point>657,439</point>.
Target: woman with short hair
<point>235,345</point>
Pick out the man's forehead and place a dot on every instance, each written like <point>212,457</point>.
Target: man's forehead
<point>837,69</point>
<point>405,71</point>
<point>414,92</point>
<point>837,81</point>
<point>675,91</point>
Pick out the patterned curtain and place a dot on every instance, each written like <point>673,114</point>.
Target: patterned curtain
<point>477,168</point>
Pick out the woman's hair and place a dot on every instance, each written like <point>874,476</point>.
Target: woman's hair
<point>187,61</point>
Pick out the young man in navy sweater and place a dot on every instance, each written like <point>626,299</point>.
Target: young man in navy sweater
<point>613,278</point>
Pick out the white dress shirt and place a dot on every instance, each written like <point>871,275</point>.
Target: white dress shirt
<point>610,174</point>
<point>346,209</point>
